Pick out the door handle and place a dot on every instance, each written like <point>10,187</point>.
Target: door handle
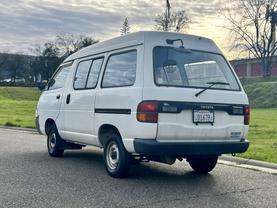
<point>58,96</point>
<point>68,99</point>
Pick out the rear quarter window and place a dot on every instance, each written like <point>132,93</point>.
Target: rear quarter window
<point>120,70</point>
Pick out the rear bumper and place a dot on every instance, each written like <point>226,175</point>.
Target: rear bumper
<point>153,147</point>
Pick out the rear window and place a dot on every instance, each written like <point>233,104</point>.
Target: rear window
<point>189,68</point>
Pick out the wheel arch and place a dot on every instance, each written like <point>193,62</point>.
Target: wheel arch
<point>48,123</point>
<point>103,130</point>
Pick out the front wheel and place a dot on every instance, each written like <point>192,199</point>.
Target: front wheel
<point>54,143</point>
<point>117,159</point>
<point>203,164</point>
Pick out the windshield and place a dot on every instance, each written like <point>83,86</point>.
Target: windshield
<point>174,67</point>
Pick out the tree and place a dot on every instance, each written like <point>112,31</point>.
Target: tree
<point>172,21</point>
<point>47,60</point>
<point>16,67</point>
<point>51,54</point>
<point>86,41</point>
<point>69,43</point>
<point>251,32</point>
<point>177,22</point>
<point>3,58</point>
<point>180,20</point>
<point>125,27</point>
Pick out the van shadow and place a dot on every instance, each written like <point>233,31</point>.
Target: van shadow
<point>89,163</point>
<point>144,171</point>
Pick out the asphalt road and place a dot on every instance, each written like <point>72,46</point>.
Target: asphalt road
<point>30,178</point>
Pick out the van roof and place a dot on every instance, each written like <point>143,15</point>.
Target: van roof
<point>154,38</point>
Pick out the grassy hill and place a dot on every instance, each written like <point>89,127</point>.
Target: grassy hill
<point>17,106</point>
<point>262,93</point>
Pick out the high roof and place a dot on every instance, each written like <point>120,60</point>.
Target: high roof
<point>152,37</point>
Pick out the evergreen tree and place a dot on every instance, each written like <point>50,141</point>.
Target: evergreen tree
<point>125,27</point>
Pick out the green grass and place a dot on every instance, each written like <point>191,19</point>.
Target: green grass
<point>262,135</point>
<point>17,106</point>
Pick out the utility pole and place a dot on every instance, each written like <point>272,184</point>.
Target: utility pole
<point>167,15</point>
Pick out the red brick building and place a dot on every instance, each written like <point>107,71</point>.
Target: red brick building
<point>252,67</point>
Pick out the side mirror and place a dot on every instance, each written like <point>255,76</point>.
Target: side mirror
<point>41,86</point>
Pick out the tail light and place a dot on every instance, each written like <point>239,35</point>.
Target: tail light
<point>147,112</point>
<point>247,115</point>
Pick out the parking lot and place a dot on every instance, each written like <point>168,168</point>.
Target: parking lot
<point>30,178</point>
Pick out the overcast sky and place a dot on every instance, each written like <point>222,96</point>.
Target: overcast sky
<point>24,23</point>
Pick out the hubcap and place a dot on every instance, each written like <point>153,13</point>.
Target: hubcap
<point>112,155</point>
<point>52,140</point>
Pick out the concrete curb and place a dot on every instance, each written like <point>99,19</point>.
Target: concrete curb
<point>243,161</point>
<point>19,129</point>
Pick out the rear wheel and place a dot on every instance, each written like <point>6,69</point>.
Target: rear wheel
<point>117,159</point>
<point>54,142</point>
<point>203,164</point>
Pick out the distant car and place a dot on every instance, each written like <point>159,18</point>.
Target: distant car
<point>147,96</point>
<point>7,80</point>
<point>17,80</point>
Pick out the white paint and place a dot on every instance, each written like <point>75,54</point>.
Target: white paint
<point>78,122</point>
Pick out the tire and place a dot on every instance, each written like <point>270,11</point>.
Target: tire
<point>203,164</point>
<point>54,142</point>
<point>117,159</point>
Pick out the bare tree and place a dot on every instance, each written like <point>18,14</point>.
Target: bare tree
<point>69,43</point>
<point>177,22</point>
<point>47,60</point>
<point>180,20</point>
<point>51,54</point>
<point>172,21</point>
<point>251,31</point>
<point>125,27</point>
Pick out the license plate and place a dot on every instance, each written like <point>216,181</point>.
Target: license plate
<point>203,116</point>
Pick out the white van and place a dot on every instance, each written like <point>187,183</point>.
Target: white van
<point>145,96</point>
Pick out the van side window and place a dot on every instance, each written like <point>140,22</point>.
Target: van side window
<point>120,70</point>
<point>59,79</point>
<point>94,73</point>
<point>82,74</point>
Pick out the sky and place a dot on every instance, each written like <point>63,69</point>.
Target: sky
<point>25,23</point>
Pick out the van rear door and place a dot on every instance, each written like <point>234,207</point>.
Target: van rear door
<point>199,97</point>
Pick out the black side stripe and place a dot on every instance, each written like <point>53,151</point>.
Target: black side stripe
<point>231,109</point>
<point>113,111</point>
